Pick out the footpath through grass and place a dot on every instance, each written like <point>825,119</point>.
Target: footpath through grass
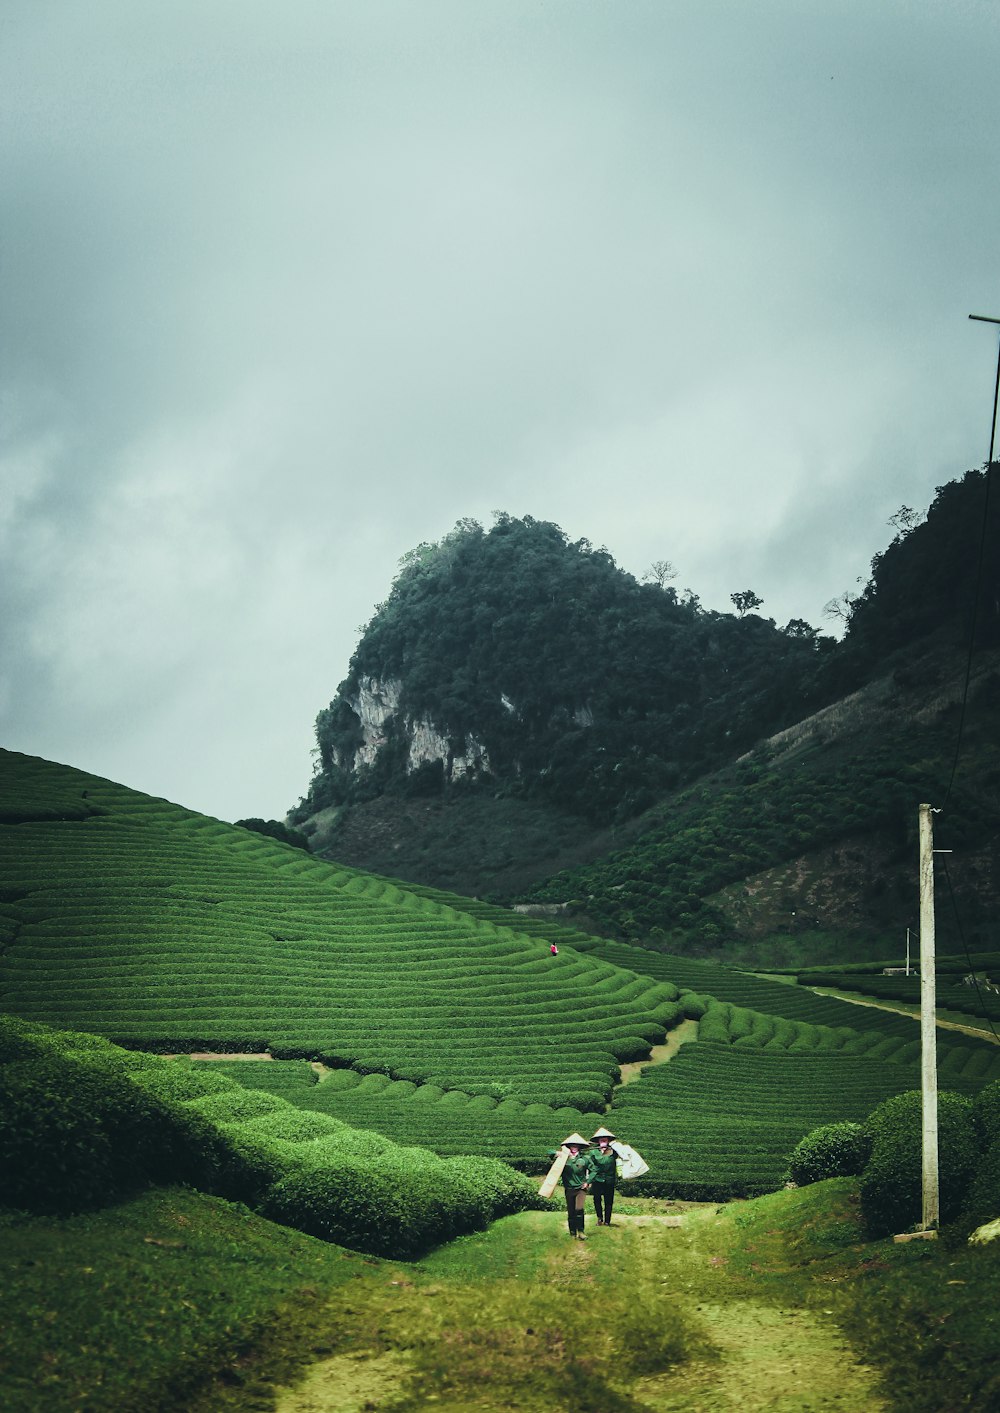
<point>177,1301</point>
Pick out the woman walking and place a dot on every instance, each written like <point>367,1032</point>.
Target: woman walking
<point>604,1164</point>
<point>576,1179</point>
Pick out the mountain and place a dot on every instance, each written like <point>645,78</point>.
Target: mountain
<point>522,719</point>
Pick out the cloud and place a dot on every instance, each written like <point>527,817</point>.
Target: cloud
<point>285,293</point>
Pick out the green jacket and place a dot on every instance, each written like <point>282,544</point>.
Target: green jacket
<point>604,1166</point>
<point>578,1172</point>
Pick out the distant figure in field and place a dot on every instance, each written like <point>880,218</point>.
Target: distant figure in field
<point>553,950</point>
<point>604,1163</point>
<point>576,1179</point>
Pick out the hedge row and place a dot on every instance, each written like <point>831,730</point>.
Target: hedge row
<point>959,1056</point>
<point>83,1123</point>
<point>717,1121</point>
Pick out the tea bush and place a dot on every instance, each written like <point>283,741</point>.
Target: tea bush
<point>891,1182</point>
<point>982,1201</point>
<point>167,931</point>
<point>79,1129</point>
<point>73,1137</point>
<point>832,1150</point>
<point>986,1114</point>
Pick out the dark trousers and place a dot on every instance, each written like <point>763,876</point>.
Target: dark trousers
<point>604,1199</point>
<point>574,1214</point>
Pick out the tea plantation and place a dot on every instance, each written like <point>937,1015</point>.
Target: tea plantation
<point>440,1023</point>
<point>164,930</point>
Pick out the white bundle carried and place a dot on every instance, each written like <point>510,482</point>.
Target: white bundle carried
<point>630,1163</point>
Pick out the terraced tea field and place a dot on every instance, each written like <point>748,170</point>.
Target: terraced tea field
<point>164,930</point>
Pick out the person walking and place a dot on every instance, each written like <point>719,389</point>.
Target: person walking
<point>577,1175</point>
<point>604,1165</point>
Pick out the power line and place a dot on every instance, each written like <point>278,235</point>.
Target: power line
<point>968,955</point>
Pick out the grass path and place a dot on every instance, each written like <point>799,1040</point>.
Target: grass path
<point>660,1054</point>
<point>177,1302</point>
<point>649,1314</point>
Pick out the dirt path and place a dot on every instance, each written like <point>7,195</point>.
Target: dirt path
<point>748,1356</point>
<point>660,1054</point>
<point>902,1009</point>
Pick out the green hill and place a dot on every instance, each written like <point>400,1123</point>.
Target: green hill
<point>163,929</point>
<point>523,721</point>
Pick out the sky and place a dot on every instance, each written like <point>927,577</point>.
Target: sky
<point>287,289</point>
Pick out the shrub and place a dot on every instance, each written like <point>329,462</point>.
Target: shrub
<point>891,1197</point>
<point>344,1204</point>
<point>986,1114</point>
<point>293,1125</point>
<point>832,1150</point>
<point>180,1083</point>
<point>982,1201</point>
<point>19,1040</point>
<point>233,1105</point>
<point>73,1136</point>
<point>630,1047</point>
<point>714,1023</point>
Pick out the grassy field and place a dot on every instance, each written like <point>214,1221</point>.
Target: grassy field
<point>178,1301</point>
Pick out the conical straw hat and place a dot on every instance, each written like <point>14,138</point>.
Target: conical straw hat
<point>603,1133</point>
<point>576,1141</point>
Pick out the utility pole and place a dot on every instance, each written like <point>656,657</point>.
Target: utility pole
<point>985,319</point>
<point>928,1025</point>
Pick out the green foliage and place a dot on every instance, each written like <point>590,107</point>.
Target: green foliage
<point>755,817</point>
<point>928,576</point>
<point>168,931</point>
<point>584,687</point>
<point>411,1203</point>
<point>80,1127</point>
<point>986,1113</point>
<point>832,1150</point>
<point>276,829</point>
<point>74,1135</point>
<point>982,1201</point>
<point>891,1199</point>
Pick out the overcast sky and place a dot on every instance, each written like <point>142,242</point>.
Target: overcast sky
<point>288,288</point>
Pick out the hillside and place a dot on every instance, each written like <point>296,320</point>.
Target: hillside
<point>165,930</point>
<point>786,772</point>
<point>435,1021</point>
<point>811,839</point>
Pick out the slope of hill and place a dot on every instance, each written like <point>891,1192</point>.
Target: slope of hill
<point>167,930</point>
<point>815,831</point>
<point>437,1025</point>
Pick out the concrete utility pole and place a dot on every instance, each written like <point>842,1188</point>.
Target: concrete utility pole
<point>928,1024</point>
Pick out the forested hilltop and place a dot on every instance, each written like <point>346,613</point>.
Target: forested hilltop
<point>519,706</point>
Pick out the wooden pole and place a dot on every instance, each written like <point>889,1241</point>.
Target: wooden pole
<point>554,1173</point>
<point>928,1025</point>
